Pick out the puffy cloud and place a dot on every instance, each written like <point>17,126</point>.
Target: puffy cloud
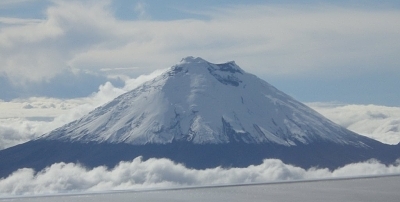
<point>131,84</point>
<point>161,173</point>
<point>12,135</point>
<point>378,122</point>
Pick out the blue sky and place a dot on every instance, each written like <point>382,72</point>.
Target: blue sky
<point>316,51</point>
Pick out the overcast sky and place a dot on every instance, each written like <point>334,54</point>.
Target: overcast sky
<point>346,51</point>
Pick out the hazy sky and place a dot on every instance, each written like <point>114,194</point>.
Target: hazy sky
<point>346,51</point>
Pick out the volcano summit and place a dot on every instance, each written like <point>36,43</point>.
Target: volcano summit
<point>203,115</point>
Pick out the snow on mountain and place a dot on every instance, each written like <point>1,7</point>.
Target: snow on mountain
<point>202,103</point>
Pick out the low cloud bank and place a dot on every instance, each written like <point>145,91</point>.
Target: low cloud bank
<point>162,173</point>
<point>381,123</point>
<point>17,131</point>
<point>25,119</point>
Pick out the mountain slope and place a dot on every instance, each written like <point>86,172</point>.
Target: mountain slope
<point>202,115</point>
<point>204,103</point>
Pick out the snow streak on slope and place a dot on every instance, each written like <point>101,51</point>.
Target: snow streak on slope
<point>203,103</point>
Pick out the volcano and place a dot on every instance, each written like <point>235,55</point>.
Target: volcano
<point>202,115</point>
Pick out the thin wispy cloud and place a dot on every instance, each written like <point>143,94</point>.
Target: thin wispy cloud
<point>15,21</point>
<point>140,10</point>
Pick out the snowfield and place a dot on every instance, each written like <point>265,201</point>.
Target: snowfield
<point>205,103</point>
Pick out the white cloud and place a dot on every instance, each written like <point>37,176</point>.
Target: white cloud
<point>265,39</point>
<point>44,48</point>
<point>377,122</point>
<point>158,173</point>
<point>131,84</point>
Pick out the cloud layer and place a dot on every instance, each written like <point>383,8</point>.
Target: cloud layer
<point>377,122</point>
<point>162,173</point>
<point>288,39</point>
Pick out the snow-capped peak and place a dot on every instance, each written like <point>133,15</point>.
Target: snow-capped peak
<point>193,62</point>
<point>191,59</point>
<point>205,103</point>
